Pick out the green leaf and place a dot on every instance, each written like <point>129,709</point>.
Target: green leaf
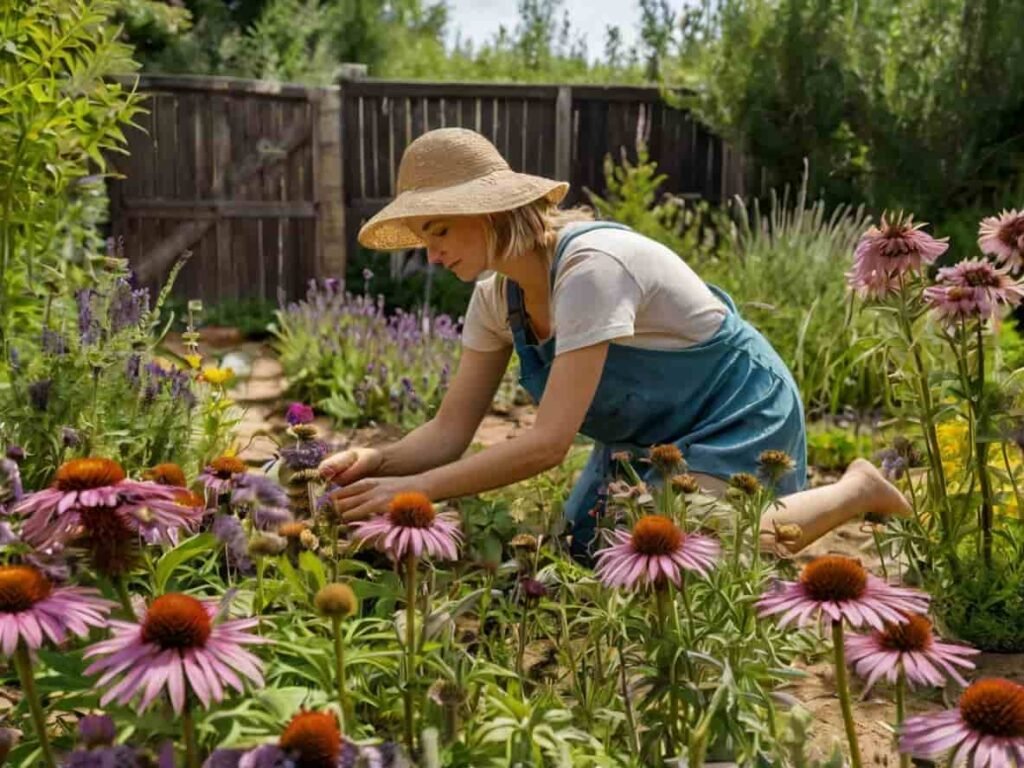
<point>312,565</point>
<point>174,558</point>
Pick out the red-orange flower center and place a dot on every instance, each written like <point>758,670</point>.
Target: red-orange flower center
<point>656,535</point>
<point>915,635</point>
<point>994,706</point>
<point>226,466</point>
<point>176,621</point>
<point>167,474</point>
<point>21,587</point>
<point>313,739</point>
<point>292,530</point>
<point>187,498</point>
<point>411,510</point>
<point>83,474</point>
<point>833,577</point>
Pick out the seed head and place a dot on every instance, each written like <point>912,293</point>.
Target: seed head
<point>336,600</point>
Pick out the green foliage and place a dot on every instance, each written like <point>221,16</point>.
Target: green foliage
<point>60,111</point>
<point>832,448</point>
<point>891,103</point>
<point>341,353</point>
<point>785,269</point>
<point>92,383</point>
<point>634,198</point>
<point>251,316</point>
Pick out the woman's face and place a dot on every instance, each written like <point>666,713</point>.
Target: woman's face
<point>457,243</point>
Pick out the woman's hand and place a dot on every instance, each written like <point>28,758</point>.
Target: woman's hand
<point>371,496</point>
<point>350,465</point>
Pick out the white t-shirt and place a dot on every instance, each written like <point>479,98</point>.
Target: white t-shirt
<point>611,285</point>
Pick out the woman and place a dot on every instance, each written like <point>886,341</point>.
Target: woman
<point>617,338</point>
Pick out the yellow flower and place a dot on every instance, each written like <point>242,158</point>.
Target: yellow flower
<point>194,361</point>
<point>218,376</point>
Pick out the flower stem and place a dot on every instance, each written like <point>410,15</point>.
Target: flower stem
<point>121,586</point>
<point>661,592</point>
<point>410,648</point>
<point>1013,482</point>
<point>28,686</point>
<point>188,727</point>
<point>348,720</point>
<point>522,641</point>
<point>981,453</point>
<point>634,738</point>
<point>901,707</point>
<point>334,560</point>
<point>843,686</point>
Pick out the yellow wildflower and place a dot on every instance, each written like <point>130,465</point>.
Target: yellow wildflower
<point>218,376</point>
<point>194,361</point>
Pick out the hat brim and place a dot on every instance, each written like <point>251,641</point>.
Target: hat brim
<point>496,192</point>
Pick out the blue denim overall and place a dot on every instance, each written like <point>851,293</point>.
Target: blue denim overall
<point>722,401</point>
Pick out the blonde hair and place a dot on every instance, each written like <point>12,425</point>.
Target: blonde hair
<point>531,227</point>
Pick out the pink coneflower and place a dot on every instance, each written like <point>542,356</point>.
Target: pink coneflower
<point>92,496</point>
<point>412,526</point>
<point>841,589</point>
<point>221,474</point>
<point>925,659</point>
<point>986,730</point>
<point>973,288</point>
<point>1002,236</point>
<point>177,646</point>
<point>655,551</point>
<point>886,253</point>
<point>32,608</point>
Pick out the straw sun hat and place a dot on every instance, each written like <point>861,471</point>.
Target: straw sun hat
<point>452,172</point>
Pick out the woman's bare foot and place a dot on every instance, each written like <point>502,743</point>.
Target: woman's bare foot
<point>880,497</point>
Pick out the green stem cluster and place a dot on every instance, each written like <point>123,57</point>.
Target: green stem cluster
<point>28,686</point>
<point>410,649</point>
<point>843,687</point>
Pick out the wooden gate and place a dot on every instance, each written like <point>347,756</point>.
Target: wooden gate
<point>226,169</point>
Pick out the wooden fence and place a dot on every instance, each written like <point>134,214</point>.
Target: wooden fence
<point>231,171</point>
<point>562,132</point>
<point>267,184</point>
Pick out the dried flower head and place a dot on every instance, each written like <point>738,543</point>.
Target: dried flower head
<point>667,458</point>
<point>336,600</point>
<point>685,484</point>
<point>267,544</point>
<point>745,482</point>
<point>524,541</point>
<point>773,465</point>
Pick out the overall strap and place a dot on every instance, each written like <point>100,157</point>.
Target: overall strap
<point>572,234</point>
<point>514,294</point>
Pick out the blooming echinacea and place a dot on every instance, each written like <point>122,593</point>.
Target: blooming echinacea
<point>221,475</point>
<point>177,646</point>
<point>974,288</point>
<point>986,730</point>
<point>94,497</point>
<point>412,526</point>
<point>841,589</point>
<point>925,659</point>
<point>32,608</point>
<point>1002,236</point>
<point>656,550</point>
<point>887,253</point>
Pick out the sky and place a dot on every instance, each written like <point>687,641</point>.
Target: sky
<point>479,19</point>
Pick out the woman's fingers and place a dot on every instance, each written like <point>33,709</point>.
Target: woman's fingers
<point>336,464</point>
<point>360,467</point>
<point>355,489</point>
<point>362,512</point>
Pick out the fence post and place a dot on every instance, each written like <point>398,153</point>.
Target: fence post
<point>563,133</point>
<point>331,256</point>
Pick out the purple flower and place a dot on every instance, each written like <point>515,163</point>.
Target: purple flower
<point>228,531</point>
<point>886,254</point>
<point>39,393</point>
<point>70,438</point>
<point>266,501</point>
<point>53,343</point>
<point>96,731</point>
<point>10,482</point>
<point>299,413</point>
<point>131,369</point>
<point>306,454</point>
<point>332,285</point>
<point>88,330</point>
<point>16,453</point>
<point>127,306</point>
<point>121,756</point>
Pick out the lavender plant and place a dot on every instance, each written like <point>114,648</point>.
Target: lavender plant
<point>360,365</point>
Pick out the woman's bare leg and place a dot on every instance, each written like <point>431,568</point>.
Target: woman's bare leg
<point>861,490</point>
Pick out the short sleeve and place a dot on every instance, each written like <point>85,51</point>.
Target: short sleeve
<point>595,300</point>
<point>486,326</point>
